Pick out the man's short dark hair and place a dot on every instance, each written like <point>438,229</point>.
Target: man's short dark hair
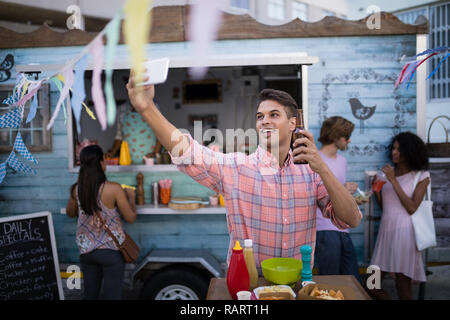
<point>282,97</point>
<point>335,128</point>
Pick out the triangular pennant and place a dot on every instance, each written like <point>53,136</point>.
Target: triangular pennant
<point>20,147</point>
<point>24,98</point>
<point>112,34</point>
<point>68,77</point>
<point>18,166</point>
<point>431,74</point>
<point>96,88</point>
<point>17,91</point>
<point>33,109</point>
<point>12,119</point>
<point>58,83</point>
<point>2,171</point>
<point>78,91</point>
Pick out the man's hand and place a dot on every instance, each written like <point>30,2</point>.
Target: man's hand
<point>141,97</point>
<point>305,149</point>
<point>351,187</point>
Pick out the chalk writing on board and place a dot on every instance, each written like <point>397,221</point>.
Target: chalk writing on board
<point>28,260</point>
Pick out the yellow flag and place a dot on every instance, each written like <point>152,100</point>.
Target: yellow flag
<point>61,77</point>
<point>137,26</point>
<point>89,111</point>
<point>24,89</point>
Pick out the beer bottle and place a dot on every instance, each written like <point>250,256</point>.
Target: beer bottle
<point>297,134</point>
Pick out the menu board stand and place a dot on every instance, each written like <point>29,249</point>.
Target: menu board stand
<point>29,267</point>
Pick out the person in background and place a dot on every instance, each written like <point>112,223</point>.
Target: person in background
<point>90,197</point>
<point>335,253</point>
<point>395,250</point>
<point>269,198</point>
<point>140,137</point>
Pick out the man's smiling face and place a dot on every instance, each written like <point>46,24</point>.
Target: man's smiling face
<point>273,124</point>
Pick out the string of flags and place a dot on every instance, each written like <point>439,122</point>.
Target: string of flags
<point>71,79</point>
<point>411,65</point>
<point>206,17</point>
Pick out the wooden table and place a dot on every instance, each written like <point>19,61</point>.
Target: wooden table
<point>218,286</point>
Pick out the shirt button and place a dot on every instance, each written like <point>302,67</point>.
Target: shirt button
<point>284,244</point>
<point>284,195</point>
<point>285,220</point>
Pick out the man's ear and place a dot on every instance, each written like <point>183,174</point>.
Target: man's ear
<point>292,123</point>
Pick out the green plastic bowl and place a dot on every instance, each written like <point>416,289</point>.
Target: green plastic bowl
<point>281,270</point>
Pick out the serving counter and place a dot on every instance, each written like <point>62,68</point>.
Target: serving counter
<point>218,286</point>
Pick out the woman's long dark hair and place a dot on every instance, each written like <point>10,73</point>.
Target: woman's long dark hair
<point>90,178</point>
<point>413,150</point>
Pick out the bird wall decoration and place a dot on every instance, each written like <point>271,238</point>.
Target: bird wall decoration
<point>361,112</point>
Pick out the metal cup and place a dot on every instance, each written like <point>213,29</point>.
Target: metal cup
<point>155,193</point>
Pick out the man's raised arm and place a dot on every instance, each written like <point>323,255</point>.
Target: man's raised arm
<point>141,97</point>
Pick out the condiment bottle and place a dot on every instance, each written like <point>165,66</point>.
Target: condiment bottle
<point>237,275</point>
<point>297,135</point>
<point>140,189</point>
<point>125,158</point>
<point>306,263</point>
<point>250,262</point>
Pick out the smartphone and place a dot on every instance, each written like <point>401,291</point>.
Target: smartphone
<point>156,71</point>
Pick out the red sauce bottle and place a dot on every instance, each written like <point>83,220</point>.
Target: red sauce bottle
<point>237,275</point>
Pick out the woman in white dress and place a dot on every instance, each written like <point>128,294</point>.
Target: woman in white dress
<point>395,251</point>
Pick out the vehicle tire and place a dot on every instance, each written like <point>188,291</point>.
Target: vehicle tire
<point>176,283</point>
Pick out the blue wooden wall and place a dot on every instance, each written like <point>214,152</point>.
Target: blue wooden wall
<point>349,67</point>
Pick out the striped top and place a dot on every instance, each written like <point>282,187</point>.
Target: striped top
<point>91,234</point>
<point>273,206</point>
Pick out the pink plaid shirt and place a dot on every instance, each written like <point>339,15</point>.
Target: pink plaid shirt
<point>275,207</point>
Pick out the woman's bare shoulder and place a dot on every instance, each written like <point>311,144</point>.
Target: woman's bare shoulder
<point>111,186</point>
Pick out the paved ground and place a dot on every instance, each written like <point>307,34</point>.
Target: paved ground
<point>437,287</point>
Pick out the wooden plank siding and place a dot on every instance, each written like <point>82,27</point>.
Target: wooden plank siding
<point>349,67</point>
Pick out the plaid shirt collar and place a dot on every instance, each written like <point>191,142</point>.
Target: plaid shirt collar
<point>269,160</point>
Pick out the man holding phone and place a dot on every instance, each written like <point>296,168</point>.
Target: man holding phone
<point>268,197</point>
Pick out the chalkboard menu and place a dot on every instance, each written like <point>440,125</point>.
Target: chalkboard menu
<point>29,268</point>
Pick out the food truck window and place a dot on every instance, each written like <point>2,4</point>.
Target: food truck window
<point>203,91</point>
<point>34,133</point>
<point>225,100</point>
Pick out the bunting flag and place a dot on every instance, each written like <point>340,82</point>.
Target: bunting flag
<point>20,147</point>
<point>18,166</point>
<point>96,89</point>
<point>136,27</point>
<point>204,24</point>
<point>17,92</point>
<point>79,93</point>
<point>68,76</point>
<point>33,109</point>
<point>112,35</point>
<point>58,83</point>
<point>409,69</point>
<point>25,97</point>
<point>12,119</point>
<point>417,65</point>
<point>434,71</point>
<point>2,171</point>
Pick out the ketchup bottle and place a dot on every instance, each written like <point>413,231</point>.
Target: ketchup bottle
<point>237,275</point>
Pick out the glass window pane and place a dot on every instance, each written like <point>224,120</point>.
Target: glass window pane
<point>38,137</point>
<point>241,4</point>
<point>4,137</point>
<point>275,9</point>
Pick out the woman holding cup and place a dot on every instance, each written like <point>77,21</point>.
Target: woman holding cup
<point>395,250</point>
